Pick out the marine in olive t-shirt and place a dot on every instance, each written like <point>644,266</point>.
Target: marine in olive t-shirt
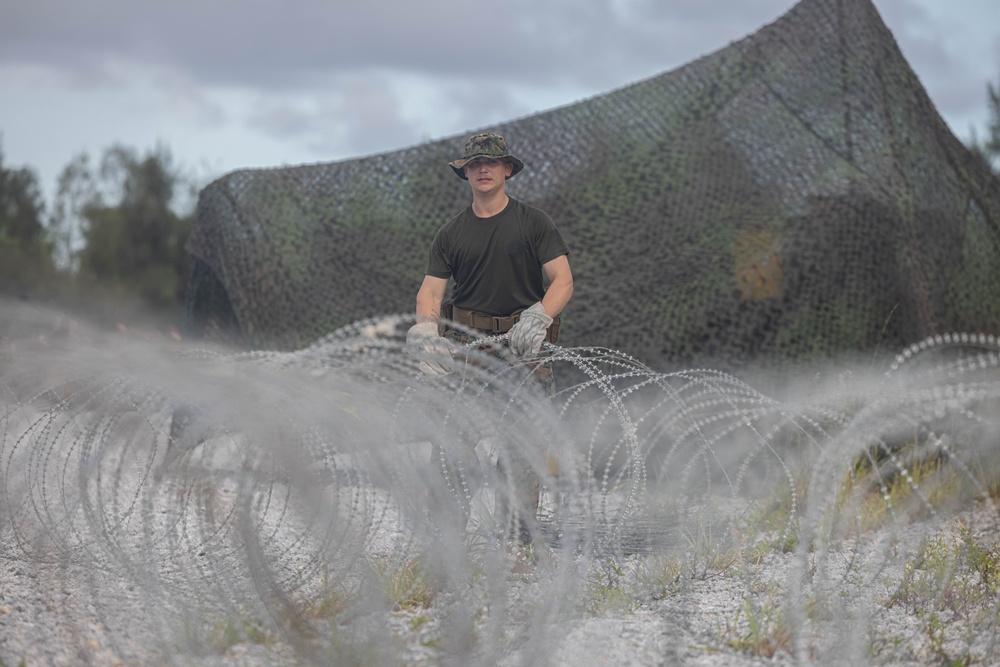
<point>496,262</point>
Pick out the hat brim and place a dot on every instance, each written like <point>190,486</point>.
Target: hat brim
<point>458,166</point>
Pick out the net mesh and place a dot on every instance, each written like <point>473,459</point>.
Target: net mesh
<point>794,196</point>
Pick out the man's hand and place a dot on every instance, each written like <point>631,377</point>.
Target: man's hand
<point>433,351</point>
<point>528,333</point>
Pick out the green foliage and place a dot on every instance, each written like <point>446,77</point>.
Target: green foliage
<point>993,140</point>
<point>76,188</point>
<point>138,241</point>
<point>26,266</point>
<point>112,238</point>
<point>20,205</point>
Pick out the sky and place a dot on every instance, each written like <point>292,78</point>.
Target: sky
<point>230,84</point>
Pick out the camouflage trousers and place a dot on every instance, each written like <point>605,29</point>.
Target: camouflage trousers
<point>519,482</point>
<point>541,369</point>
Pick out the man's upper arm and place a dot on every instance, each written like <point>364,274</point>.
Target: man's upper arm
<point>429,297</point>
<point>555,268</point>
<point>434,286</point>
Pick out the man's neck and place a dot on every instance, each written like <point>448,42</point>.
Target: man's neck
<point>486,206</point>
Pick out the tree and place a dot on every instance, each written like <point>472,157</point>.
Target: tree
<point>76,190</point>
<point>993,138</point>
<point>989,150</point>
<point>134,241</point>
<point>25,253</point>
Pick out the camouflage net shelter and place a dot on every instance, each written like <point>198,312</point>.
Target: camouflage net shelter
<point>792,197</point>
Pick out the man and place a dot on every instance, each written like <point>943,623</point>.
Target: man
<point>511,271</point>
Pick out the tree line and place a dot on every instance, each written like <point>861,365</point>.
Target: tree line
<point>113,237</point>
<point>111,240</point>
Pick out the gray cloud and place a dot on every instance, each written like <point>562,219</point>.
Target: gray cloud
<point>287,46</point>
<point>337,78</point>
<point>284,45</point>
<point>952,62</point>
<point>361,113</point>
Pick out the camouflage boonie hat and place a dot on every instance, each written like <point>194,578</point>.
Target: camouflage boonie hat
<point>485,145</point>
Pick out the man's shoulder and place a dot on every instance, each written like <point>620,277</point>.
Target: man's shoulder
<point>457,219</point>
<point>522,205</point>
<point>530,212</point>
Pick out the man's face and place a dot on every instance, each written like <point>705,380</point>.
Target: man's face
<point>486,174</point>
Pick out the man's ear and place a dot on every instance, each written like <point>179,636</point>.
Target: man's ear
<point>509,168</point>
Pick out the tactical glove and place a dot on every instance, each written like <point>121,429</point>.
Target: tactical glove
<point>433,351</point>
<point>528,333</point>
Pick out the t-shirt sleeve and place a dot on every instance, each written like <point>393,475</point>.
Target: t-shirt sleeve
<point>551,243</point>
<point>438,264</point>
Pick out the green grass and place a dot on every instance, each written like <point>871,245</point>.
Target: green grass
<point>954,575</point>
<point>223,635</point>
<point>333,599</point>
<point>961,575</point>
<point>609,588</point>
<point>760,631</point>
<point>406,587</point>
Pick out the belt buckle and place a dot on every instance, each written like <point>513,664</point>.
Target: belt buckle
<point>497,324</point>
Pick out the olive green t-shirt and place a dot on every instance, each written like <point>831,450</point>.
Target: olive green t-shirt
<point>496,262</point>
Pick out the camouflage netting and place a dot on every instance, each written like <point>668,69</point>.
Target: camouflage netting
<point>791,197</point>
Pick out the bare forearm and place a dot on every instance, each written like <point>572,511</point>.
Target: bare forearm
<point>560,279</point>
<point>428,310</point>
<point>429,299</point>
<point>557,296</point>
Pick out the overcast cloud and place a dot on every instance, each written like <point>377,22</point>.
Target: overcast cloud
<point>244,83</point>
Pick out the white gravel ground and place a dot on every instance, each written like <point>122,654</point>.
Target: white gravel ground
<point>103,562</point>
<point>65,614</point>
